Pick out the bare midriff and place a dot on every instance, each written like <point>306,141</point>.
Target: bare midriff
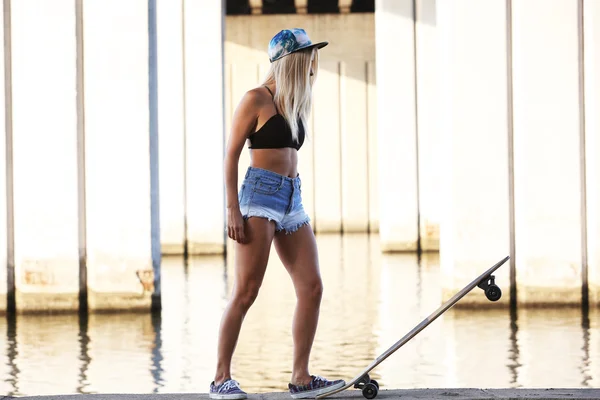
<point>281,161</point>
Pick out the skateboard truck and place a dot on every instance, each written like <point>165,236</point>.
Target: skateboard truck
<point>492,292</point>
<point>369,386</point>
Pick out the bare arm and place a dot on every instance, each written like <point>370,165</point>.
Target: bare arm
<point>243,121</point>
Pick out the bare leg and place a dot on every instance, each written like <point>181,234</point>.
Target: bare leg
<point>298,253</point>
<point>250,265</point>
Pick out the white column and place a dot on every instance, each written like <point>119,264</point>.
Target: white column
<point>171,125</point>
<point>327,149</point>
<point>204,125</point>
<point>427,124</point>
<point>3,189</point>
<point>473,128</point>
<point>591,33</point>
<point>354,147</point>
<point>117,154</point>
<point>373,148</point>
<point>394,42</point>
<point>45,155</point>
<point>546,151</point>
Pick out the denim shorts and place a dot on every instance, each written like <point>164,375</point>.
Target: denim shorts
<point>267,194</point>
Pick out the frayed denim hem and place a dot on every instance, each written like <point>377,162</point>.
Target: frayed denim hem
<point>289,231</point>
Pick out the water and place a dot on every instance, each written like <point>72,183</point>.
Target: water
<point>370,301</point>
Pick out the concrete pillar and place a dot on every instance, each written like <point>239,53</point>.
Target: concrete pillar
<point>474,132</point>
<point>354,147</point>
<point>396,125</point>
<point>344,6</point>
<point>301,6</point>
<point>44,120</point>
<point>256,6</point>
<point>171,125</point>
<point>373,149</point>
<point>591,23</point>
<point>204,125</point>
<point>118,208</point>
<point>327,149</point>
<point>5,165</point>
<point>547,176</point>
<point>429,150</point>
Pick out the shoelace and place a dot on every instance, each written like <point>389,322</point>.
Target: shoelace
<point>230,384</point>
<point>320,379</point>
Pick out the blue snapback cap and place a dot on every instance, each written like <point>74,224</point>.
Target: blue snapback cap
<point>289,41</point>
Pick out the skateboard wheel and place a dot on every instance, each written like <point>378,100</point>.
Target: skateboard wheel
<point>493,293</point>
<point>374,382</point>
<point>370,391</point>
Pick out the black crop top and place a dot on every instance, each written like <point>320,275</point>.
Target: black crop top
<point>276,133</point>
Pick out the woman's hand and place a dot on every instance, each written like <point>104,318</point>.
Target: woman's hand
<point>235,225</point>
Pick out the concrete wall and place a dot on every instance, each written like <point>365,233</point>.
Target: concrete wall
<point>77,165</point>
<point>474,126</point>
<point>422,132</point>
<point>519,146</point>
<point>117,163</point>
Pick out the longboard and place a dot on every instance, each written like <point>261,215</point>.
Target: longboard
<point>369,386</point>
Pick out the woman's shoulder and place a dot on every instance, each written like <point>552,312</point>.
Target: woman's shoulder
<point>258,95</point>
<point>253,100</point>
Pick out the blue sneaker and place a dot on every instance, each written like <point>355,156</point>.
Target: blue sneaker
<point>229,390</point>
<point>315,387</point>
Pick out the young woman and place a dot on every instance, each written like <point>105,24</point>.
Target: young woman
<point>268,208</point>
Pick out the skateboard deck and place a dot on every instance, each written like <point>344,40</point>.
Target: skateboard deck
<point>370,387</point>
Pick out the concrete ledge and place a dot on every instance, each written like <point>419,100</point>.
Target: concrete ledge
<point>407,394</point>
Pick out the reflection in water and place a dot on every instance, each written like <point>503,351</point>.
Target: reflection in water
<point>585,365</point>
<point>157,358</point>
<point>84,356</point>
<point>11,354</point>
<point>370,301</point>
<point>513,353</point>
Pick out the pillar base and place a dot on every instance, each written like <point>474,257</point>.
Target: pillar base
<point>46,303</point>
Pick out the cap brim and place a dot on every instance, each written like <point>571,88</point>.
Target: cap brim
<point>319,45</point>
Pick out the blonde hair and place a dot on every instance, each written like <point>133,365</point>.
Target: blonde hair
<point>293,87</point>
